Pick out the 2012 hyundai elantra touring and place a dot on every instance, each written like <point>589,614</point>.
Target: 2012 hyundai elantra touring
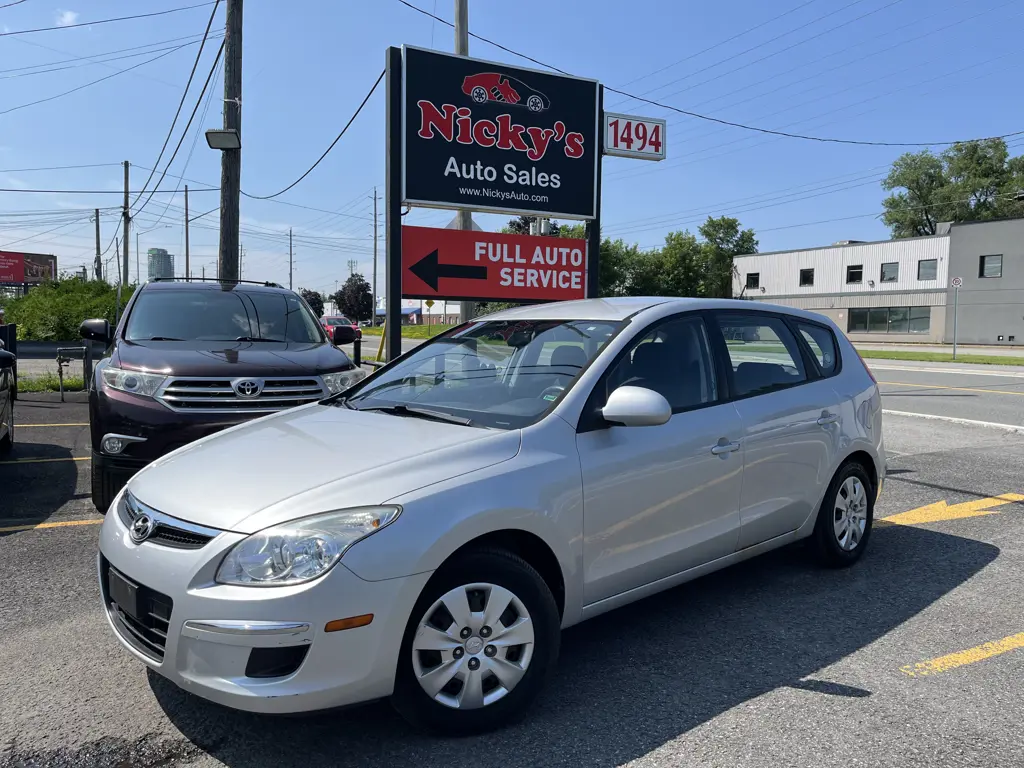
<point>426,534</point>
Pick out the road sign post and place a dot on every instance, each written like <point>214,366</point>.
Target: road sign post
<point>957,282</point>
<point>393,208</point>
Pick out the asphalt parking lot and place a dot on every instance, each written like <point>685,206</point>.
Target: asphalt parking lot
<point>911,658</point>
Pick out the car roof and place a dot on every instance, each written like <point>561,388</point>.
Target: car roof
<point>624,307</point>
<point>212,285</point>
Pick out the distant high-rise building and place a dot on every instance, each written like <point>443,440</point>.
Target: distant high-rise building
<point>160,263</point>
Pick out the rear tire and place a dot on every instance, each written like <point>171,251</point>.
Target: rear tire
<point>7,441</point>
<point>104,488</point>
<point>490,579</point>
<point>843,528</point>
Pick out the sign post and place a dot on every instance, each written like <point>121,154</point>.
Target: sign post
<point>957,282</point>
<point>393,208</point>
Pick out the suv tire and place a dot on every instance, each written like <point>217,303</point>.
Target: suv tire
<point>7,441</point>
<point>845,519</point>
<point>498,568</point>
<point>103,488</point>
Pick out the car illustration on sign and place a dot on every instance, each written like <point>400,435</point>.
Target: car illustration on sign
<point>494,86</point>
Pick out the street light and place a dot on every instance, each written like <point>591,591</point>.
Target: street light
<point>223,138</point>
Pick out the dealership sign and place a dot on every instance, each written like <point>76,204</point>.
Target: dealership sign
<point>486,266</point>
<point>489,137</point>
<point>632,136</point>
<point>23,268</point>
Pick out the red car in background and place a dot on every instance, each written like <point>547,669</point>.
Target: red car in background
<point>329,321</point>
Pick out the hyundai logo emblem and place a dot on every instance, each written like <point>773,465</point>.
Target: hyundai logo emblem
<point>247,387</point>
<point>142,528</point>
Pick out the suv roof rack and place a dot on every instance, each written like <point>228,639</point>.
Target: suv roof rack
<point>266,284</point>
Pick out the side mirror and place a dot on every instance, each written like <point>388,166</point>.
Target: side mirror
<point>343,334</point>
<point>96,330</point>
<point>636,407</point>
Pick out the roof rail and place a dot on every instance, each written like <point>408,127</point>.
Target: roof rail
<point>266,284</point>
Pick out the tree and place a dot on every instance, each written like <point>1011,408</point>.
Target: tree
<point>53,311</point>
<point>970,181</point>
<point>355,298</point>
<point>723,240</point>
<point>314,299</point>
<point>520,225</point>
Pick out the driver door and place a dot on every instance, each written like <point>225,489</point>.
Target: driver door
<point>660,500</point>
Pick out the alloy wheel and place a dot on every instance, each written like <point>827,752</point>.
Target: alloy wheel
<point>850,514</point>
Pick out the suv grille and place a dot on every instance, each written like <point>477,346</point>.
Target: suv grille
<point>164,533</point>
<point>223,395</point>
<point>146,630</point>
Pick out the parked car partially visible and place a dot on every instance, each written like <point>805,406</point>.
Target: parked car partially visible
<point>330,322</point>
<point>7,393</point>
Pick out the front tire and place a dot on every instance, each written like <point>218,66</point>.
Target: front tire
<point>104,487</point>
<point>844,523</point>
<point>480,644</point>
<point>7,441</point>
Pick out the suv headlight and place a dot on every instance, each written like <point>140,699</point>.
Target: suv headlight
<point>132,381</point>
<point>337,382</point>
<point>300,550</point>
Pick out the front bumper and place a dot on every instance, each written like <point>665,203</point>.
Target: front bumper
<point>221,641</point>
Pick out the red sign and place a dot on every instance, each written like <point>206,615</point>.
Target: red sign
<point>27,267</point>
<point>485,266</point>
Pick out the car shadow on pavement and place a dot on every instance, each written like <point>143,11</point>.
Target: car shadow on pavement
<point>633,679</point>
<point>36,480</point>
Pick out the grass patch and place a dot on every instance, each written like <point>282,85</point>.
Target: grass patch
<point>48,382</point>
<point>411,331</point>
<point>939,357</point>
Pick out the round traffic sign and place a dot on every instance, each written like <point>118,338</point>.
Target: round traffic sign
<point>957,282</point>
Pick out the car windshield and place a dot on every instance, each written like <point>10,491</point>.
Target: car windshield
<point>500,374</point>
<point>221,315</point>
<point>332,321</point>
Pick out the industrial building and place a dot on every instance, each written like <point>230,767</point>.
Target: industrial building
<point>902,290</point>
<point>159,263</point>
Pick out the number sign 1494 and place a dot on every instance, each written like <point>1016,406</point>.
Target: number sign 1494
<point>628,136</point>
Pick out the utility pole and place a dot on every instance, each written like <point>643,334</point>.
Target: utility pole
<point>238,270</point>
<point>204,271</point>
<point>373,317</point>
<point>188,274</point>
<point>290,262</point>
<point>127,219</point>
<point>228,264</point>
<point>98,266</point>
<point>138,269</point>
<point>465,218</point>
<point>352,264</point>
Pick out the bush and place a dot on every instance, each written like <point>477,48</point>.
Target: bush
<point>54,310</point>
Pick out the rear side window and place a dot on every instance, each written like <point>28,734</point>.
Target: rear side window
<point>822,344</point>
<point>764,355</point>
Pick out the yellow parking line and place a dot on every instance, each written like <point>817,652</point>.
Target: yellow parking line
<point>940,510</point>
<point>955,389</point>
<point>46,461</point>
<point>962,658</point>
<point>39,526</point>
<point>30,426</point>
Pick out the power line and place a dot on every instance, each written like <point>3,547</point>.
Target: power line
<point>699,116</point>
<point>93,191</point>
<point>60,167</point>
<point>8,5</point>
<point>94,82</point>
<point>326,151</point>
<point>104,21</point>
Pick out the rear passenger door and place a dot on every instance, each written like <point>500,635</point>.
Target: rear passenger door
<point>790,414</point>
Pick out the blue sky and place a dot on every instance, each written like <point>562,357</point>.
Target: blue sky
<point>884,70</point>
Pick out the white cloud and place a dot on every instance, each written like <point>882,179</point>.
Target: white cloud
<point>66,18</point>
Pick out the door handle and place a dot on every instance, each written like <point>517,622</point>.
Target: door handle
<point>828,418</point>
<point>721,448</point>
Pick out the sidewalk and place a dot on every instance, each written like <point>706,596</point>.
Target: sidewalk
<point>964,349</point>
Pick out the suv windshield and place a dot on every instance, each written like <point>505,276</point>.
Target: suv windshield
<point>333,321</point>
<point>503,374</point>
<point>221,315</point>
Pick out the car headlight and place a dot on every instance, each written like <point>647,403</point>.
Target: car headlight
<point>338,382</point>
<point>300,550</point>
<point>136,382</point>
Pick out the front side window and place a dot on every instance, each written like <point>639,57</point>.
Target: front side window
<point>854,274</point>
<point>500,374</point>
<point>890,272</point>
<point>189,314</point>
<point>753,279</point>
<point>764,355</point>
<point>806,277</point>
<point>991,266</point>
<point>674,360</point>
<point>927,269</point>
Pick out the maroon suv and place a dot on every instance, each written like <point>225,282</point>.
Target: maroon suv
<point>190,358</point>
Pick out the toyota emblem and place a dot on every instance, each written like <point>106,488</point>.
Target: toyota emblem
<point>142,528</point>
<point>248,387</point>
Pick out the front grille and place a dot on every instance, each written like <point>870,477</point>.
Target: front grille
<point>165,533</point>
<point>146,630</point>
<point>221,395</point>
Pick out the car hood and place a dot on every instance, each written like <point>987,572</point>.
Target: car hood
<point>229,359</point>
<point>312,459</point>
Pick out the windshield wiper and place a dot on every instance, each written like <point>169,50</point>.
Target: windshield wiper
<point>254,338</point>
<point>161,338</point>
<point>422,413</point>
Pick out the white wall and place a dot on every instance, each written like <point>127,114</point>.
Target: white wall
<point>780,272</point>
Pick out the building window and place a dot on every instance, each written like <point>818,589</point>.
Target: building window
<point>854,274</point>
<point>927,269</point>
<point>753,279</point>
<point>806,277</point>
<point>991,266</point>
<point>889,320</point>
<point>890,272</point>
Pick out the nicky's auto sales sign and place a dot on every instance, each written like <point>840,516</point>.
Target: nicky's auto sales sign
<point>490,137</point>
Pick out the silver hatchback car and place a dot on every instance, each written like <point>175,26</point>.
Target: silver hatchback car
<point>426,534</point>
